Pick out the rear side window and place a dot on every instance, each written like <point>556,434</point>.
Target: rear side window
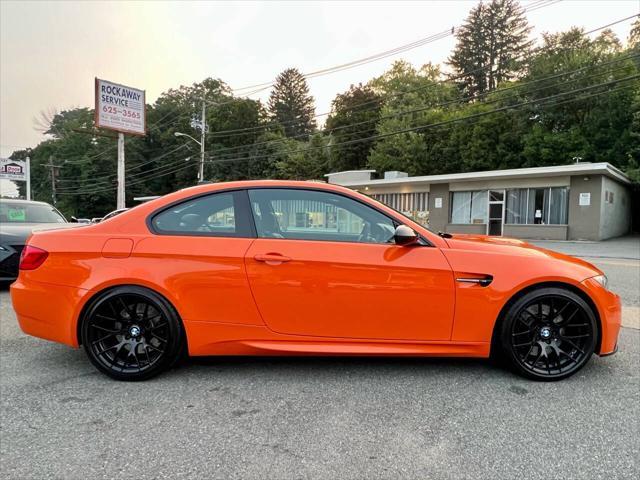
<point>216,215</point>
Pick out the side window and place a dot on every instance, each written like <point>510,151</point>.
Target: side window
<point>314,215</point>
<point>216,215</point>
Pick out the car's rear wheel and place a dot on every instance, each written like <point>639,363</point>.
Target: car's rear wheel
<point>131,333</point>
<point>549,334</point>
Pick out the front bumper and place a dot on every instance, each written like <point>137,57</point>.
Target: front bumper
<point>610,313</point>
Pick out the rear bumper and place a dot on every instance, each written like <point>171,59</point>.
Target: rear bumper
<point>610,312</point>
<point>47,311</point>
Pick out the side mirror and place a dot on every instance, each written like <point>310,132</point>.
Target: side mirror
<point>405,236</point>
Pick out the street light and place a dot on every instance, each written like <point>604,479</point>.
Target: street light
<point>201,166</point>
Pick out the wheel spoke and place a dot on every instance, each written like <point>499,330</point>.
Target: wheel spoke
<point>102,352</point>
<point>104,329</point>
<point>533,365</point>
<point>546,358</point>
<point>126,308</point>
<point>153,348</point>
<point>109,335</point>
<point>561,311</point>
<point>146,352</point>
<point>570,317</point>
<point>570,342</point>
<point>155,327</point>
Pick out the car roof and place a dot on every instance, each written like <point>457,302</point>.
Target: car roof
<point>20,200</point>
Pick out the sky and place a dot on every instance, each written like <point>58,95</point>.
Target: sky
<point>50,51</point>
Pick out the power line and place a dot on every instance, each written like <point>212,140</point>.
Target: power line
<point>96,182</point>
<point>99,180</point>
<point>387,53</point>
<point>110,177</point>
<point>219,161</point>
<point>422,127</point>
<point>244,131</point>
<point>107,189</point>
<point>439,105</point>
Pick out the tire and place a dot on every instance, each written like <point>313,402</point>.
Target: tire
<point>131,333</point>
<point>548,334</point>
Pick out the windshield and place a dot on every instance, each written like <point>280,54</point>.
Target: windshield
<point>14,212</point>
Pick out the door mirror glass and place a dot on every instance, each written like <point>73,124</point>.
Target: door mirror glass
<point>405,236</point>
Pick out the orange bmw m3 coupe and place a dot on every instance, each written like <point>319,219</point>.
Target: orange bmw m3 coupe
<point>304,268</point>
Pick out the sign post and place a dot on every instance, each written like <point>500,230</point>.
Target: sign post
<point>28,172</point>
<point>17,170</point>
<point>120,203</point>
<point>122,109</point>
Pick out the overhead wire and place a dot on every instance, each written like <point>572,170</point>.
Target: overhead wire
<point>540,101</point>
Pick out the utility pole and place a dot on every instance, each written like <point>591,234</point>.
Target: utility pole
<point>52,172</point>
<point>203,127</point>
<point>28,172</point>
<point>120,201</point>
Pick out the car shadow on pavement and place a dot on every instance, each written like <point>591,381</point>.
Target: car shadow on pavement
<point>332,365</point>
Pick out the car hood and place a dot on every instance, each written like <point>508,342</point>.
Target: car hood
<point>17,234</point>
<point>514,247</point>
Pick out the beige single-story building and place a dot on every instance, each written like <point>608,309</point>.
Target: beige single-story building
<point>581,201</point>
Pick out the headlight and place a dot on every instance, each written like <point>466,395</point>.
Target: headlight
<point>602,280</point>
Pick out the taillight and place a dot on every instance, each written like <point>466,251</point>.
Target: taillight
<point>32,257</point>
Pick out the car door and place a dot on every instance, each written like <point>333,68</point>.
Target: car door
<point>323,265</point>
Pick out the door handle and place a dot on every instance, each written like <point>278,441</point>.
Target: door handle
<point>271,258</point>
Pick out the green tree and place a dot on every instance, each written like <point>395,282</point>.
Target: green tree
<point>413,97</point>
<point>634,35</point>
<point>291,105</point>
<point>592,128</point>
<point>492,46</point>
<point>354,116</point>
<point>305,161</point>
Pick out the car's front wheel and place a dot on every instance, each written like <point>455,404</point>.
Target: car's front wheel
<point>131,333</point>
<point>548,334</point>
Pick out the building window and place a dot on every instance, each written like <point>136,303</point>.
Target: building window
<point>543,206</point>
<point>469,207</point>
<point>407,203</point>
<point>608,196</point>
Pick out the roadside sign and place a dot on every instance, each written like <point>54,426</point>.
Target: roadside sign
<point>13,169</point>
<point>120,108</point>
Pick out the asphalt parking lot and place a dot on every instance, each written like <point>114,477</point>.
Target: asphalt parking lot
<point>324,418</point>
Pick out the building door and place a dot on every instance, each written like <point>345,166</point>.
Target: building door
<point>496,212</point>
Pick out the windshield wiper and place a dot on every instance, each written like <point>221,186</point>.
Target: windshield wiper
<point>445,235</point>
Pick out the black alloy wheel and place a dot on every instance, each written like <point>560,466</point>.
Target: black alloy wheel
<point>131,333</point>
<point>549,334</point>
